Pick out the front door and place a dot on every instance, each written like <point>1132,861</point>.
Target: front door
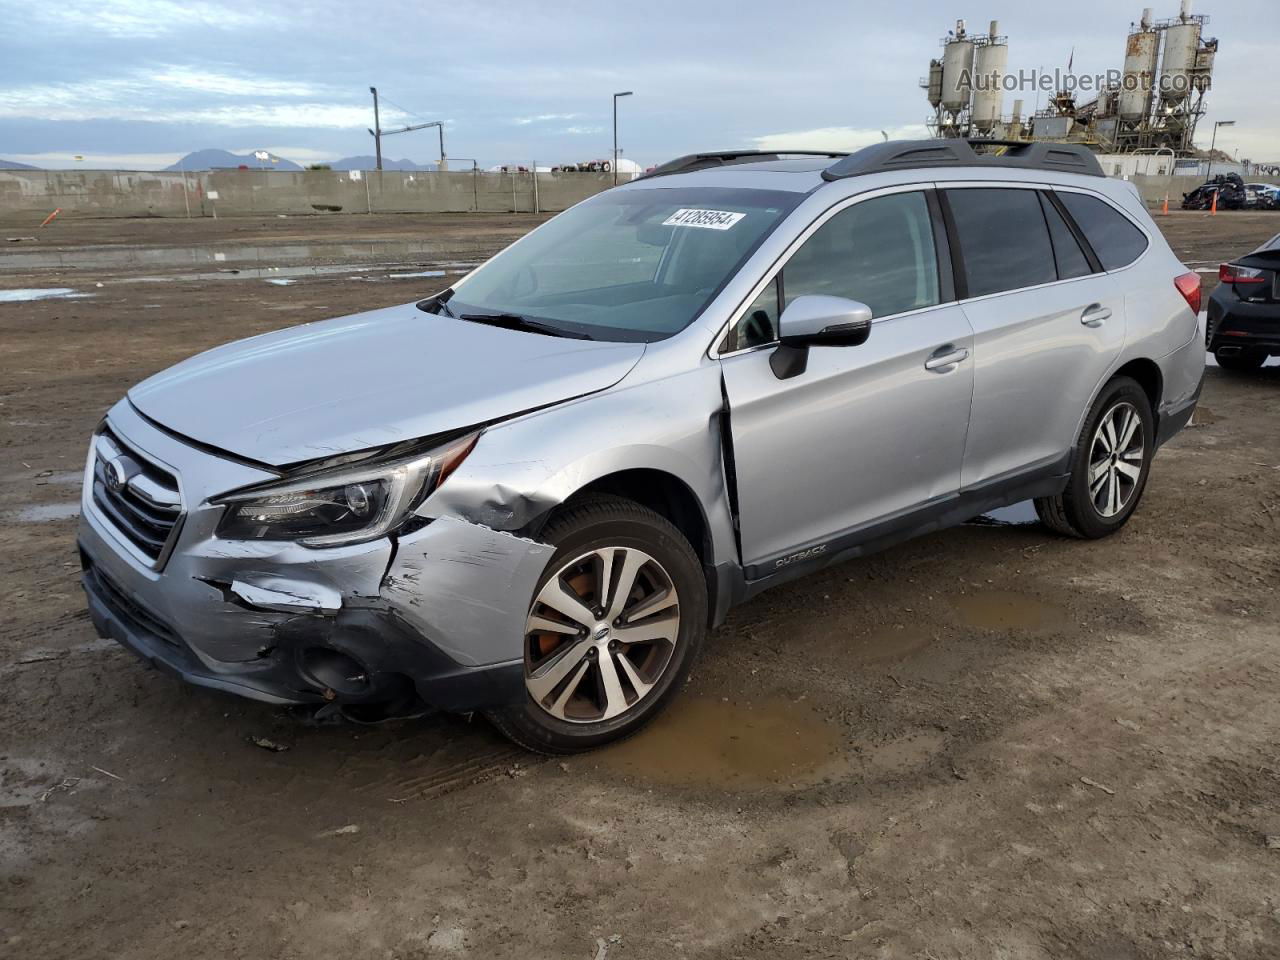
<point>865,433</point>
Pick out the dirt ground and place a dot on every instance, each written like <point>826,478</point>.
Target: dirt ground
<point>987,743</point>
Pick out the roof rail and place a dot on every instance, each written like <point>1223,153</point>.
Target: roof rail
<point>700,161</point>
<point>1019,154</point>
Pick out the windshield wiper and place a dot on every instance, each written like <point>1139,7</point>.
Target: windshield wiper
<point>514,321</point>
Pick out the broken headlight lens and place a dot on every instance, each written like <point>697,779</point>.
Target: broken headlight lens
<point>348,504</point>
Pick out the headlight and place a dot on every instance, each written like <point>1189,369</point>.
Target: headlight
<point>349,504</point>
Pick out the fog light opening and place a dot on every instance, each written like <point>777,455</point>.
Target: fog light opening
<point>333,670</point>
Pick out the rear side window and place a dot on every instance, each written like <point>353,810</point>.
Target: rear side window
<point>1004,240</point>
<point>1114,238</point>
<point>1066,249</point>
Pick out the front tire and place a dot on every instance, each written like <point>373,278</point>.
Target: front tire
<point>615,624</point>
<point>1110,465</point>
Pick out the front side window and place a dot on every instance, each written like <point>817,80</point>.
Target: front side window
<point>629,264</point>
<point>1114,238</point>
<point>1004,240</point>
<point>879,252</point>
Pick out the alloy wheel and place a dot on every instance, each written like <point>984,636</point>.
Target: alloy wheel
<point>1116,459</point>
<point>600,635</point>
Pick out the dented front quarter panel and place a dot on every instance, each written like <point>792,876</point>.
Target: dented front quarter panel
<point>666,417</point>
<point>466,588</point>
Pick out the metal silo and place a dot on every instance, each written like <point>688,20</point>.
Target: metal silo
<point>1139,70</point>
<point>990,62</point>
<point>957,71</point>
<point>1181,41</point>
<point>934,83</point>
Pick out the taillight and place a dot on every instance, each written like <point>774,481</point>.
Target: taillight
<point>1230,273</point>
<point>1188,285</point>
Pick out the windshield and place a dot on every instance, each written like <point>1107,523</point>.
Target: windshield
<point>634,265</point>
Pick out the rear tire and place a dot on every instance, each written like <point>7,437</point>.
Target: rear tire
<point>1243,362</point>
<point>615,624</point>
<point>1110,464</point>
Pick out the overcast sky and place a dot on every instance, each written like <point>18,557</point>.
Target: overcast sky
<point>137,83</point>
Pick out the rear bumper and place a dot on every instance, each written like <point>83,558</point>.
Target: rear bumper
<point>1175,418</point>
<point>1236,324</point>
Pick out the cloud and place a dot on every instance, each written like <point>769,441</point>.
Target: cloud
<point>205,81</point>
<point>545,117</point>
<point>837,138</point>
<point>581,131</point>
<point>165,96</point>
<point>123,19</point>
<point>96,161</point>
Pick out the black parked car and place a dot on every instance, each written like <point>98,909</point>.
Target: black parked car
<point>1230,189</point>
<point>1243,326</point>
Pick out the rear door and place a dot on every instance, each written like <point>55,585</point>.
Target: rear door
<point>1047,324</point>
<point>864,433</point>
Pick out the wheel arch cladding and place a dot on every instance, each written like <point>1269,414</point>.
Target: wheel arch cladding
<point>663,493</point>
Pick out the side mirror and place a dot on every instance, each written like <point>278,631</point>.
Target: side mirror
<point>817,321</point>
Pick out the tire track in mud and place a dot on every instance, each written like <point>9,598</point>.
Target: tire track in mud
<point>459,763</point>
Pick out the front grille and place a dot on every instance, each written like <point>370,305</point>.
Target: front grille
<point>135,616</point>
<point>137,497</point>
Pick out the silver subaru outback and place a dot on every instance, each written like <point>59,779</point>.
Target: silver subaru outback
<point>534,493</point>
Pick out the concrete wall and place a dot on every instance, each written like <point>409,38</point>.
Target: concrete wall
<point>234,193</point>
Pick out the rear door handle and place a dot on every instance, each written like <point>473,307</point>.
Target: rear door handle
<point>937,362</point>
<point>1094,314</point>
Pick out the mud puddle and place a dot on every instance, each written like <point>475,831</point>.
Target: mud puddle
<point>1017,515</point>
<point>701,741</point>
<point>284,275</point>
<point>890,643</point>
<point>41,512</point>
<point>1005,610</point>
<point>46,293</point>
<point>88,258</point>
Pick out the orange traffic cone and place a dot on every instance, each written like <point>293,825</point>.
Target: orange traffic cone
<point>1213,207</point>
<point>1165,209</point>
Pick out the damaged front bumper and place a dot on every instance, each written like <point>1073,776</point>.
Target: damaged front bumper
<point>434,617</point>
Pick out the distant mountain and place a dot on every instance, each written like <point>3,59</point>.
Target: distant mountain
<point>222,159</point>
<point>371,163</point>
<point>14,165</point>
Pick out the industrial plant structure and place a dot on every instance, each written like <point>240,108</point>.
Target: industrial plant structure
<point>1152,104</point>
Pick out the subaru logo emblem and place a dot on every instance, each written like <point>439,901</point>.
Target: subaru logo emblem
<point>117,474</point>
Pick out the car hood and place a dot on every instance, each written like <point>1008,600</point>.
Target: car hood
<point>368,380</point>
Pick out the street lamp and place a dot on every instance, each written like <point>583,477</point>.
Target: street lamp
<point>1214,140</point>
<point>625,93</point>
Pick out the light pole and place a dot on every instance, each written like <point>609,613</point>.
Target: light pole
<point>1214,140</point>
<point>377,130</point>
<point>625,93</point>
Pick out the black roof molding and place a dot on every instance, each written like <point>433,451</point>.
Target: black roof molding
<point>701,161</point>
<point>1008,154</point>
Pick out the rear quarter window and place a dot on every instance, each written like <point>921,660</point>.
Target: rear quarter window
<point>1003,238</point>
<point>1114,238</point>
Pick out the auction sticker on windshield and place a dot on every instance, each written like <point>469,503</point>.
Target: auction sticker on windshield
<point>707,219</point>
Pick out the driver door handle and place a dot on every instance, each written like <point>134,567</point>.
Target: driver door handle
<point>937,362</point>
<point>1094,314</point>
